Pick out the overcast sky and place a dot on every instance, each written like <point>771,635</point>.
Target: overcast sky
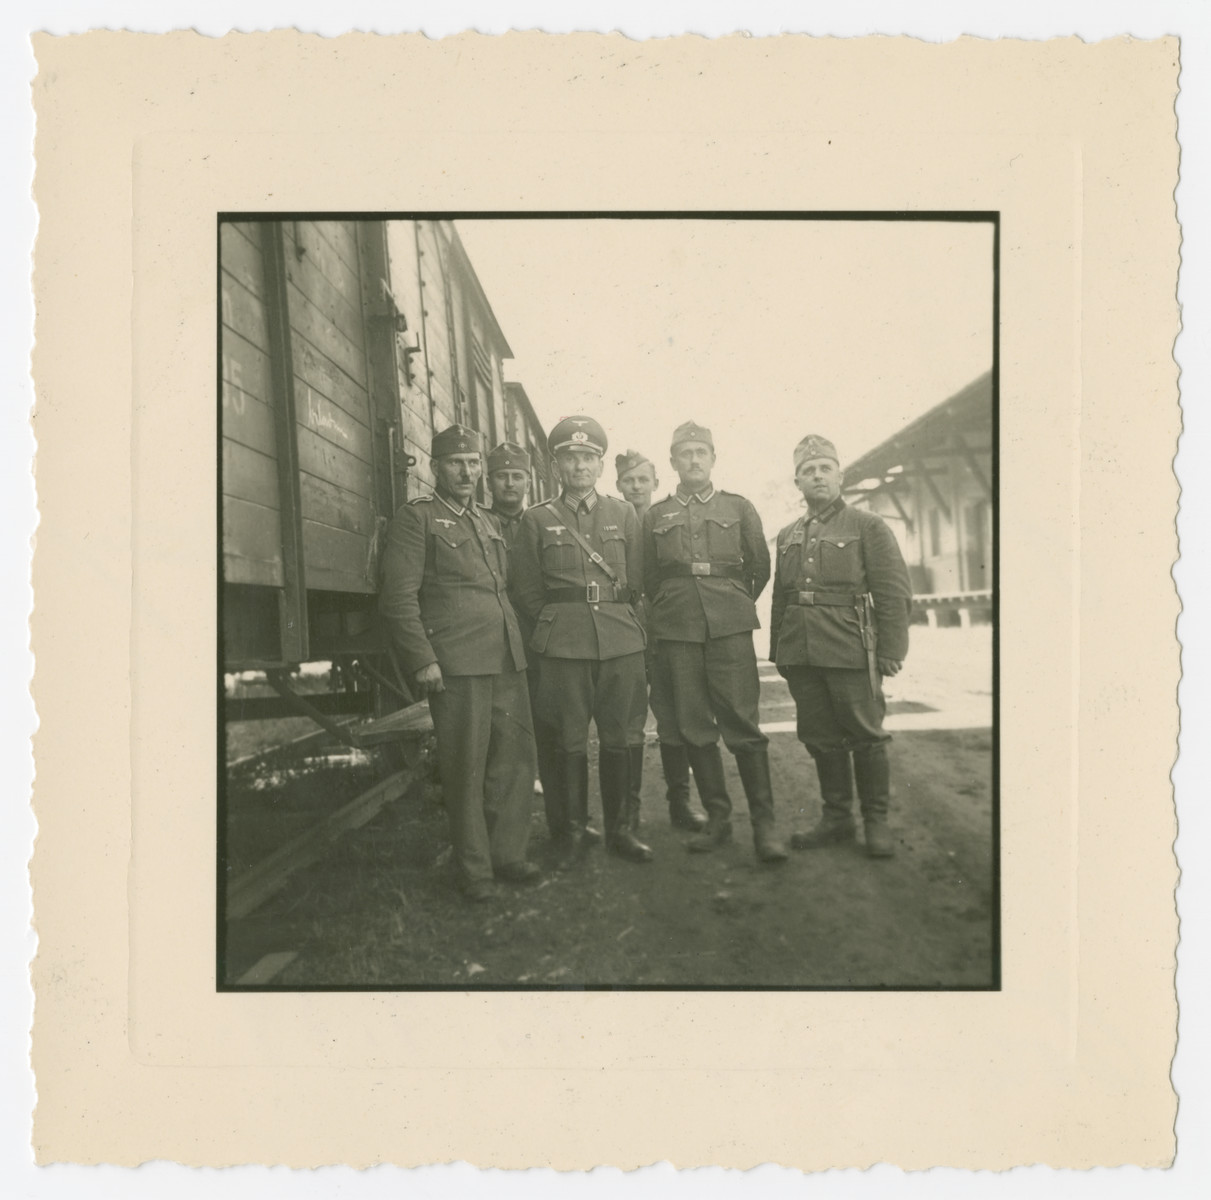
<point>762,330</point>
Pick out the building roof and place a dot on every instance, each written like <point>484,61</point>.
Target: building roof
<point>967,414</point>
<point>478,288</point>
<point>517,392</point>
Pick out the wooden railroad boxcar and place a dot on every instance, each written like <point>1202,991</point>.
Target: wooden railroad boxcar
<point>344,344</point>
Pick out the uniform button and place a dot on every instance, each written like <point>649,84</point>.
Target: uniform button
<point>811,560</point>
<point>808,579</point>
<point>596,607</point>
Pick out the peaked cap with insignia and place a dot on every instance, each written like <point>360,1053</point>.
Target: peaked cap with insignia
<point>691,431</point>
<point>508,456</point>
<point>815,446</point>
<point>457,439</point>
<point>629,460</point>
<point>578,433</point>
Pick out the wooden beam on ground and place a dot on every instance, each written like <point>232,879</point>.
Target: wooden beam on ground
<point>254,886</point>
<point>267,967</point>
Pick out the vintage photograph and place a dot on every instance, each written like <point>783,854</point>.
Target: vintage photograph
<point>591,616</point>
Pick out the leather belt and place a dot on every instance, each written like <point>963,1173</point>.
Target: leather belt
<point>592,593</point>
<point>725,570</point>
<point>837,599</point>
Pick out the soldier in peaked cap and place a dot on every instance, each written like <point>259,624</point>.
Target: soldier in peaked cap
<point>839,623</point>
<point>444,599</point>
<point>637,480</point>
<point>705,563</point>
<point>578,573</point>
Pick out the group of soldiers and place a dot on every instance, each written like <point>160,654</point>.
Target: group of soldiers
<point>524,625</point>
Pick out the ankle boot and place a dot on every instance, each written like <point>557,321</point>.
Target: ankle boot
<point>614,772</point>
<point>574,772</point>
<point>874,793</point>
<point>707,765</point>
<point>676,765</point>
<point>754,774</point>
<point>836,824</point>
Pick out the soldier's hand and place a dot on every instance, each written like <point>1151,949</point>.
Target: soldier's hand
<point>889,666</point>
<point>429,680</point>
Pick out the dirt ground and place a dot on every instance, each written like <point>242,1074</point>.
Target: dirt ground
<point>382,908</point>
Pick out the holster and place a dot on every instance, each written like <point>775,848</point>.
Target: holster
<point>870,642</point>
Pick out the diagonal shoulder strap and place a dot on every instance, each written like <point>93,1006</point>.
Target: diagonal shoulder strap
<point>593,555</point>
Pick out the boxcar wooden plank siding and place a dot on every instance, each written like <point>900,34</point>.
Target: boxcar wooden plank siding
<point>317,413</point>
<point>318,330</point>
<point>251,423</point>
<point>337,559</point>
<point>246,367</point>
<point>242,311</point>
<point>330,505</point>
<point>322,459</point>
<point>315,370</point>
<point>242,258</point>
<point>319,253</point>
<point>343,310</point>
<point>252,543</point>
<point>340,235</point>
<point>248,475</point>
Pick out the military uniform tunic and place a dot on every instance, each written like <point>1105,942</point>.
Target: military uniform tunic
<point>705,563</point>
<point>584,622</point>
<point>821,636</point>
<point>444,600</point>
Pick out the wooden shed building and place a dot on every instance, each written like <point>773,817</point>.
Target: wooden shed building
<point>933,483</point>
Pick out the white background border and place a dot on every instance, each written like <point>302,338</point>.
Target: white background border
<point>1189,19</point>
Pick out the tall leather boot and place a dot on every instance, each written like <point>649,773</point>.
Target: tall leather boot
<point>550,775</point>
<point>707,765</point>
<point>614,772</point>
<point>754,774</point>
<point>574,769</point>
<point>676,764</point>
<point>635,782</point>
<point>836,824</point>
<point>874,794</point>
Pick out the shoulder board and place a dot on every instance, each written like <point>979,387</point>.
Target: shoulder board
<point>543,503</point>
<point>421,499</point>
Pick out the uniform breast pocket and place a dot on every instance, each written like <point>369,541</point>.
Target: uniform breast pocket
<point>670,542</point>
<point>723,538</point>
<point>841,560</point>
<point>499,550</point>
<point>452,555</point>
<point>558,553</point>
<point>614,551</point>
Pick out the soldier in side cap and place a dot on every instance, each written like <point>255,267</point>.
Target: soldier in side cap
<point>637,480</point>
<point>444,599</point>
<point>705,563</point>
<point>839,623</point>
<point>509,484</point>
<point>578,561</point>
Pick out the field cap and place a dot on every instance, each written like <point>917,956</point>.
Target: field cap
<point>691,431</point>
<point>508,456</point>
<point>578,433</point>
<point>629,461</point>
<point>457,439</point>
<point>815,446</point>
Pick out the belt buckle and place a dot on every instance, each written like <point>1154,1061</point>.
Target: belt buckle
<point>807,597</point>
<point>593,593</point>
<point>700,568</point>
